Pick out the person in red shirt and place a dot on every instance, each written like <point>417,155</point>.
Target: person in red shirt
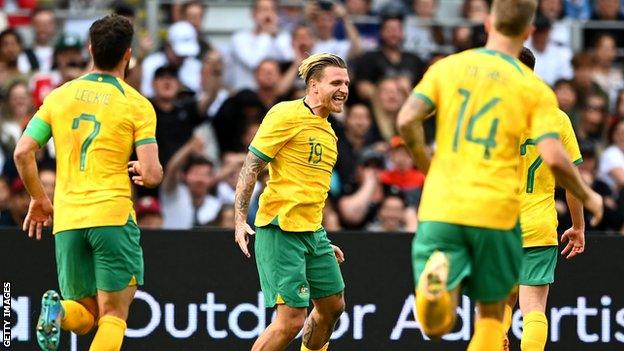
<point>403,174</point>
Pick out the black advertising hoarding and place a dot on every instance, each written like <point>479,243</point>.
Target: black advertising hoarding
<point>202,294</point>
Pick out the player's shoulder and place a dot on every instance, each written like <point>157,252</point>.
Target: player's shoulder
<point>285,109</point>
<point>134,96</point>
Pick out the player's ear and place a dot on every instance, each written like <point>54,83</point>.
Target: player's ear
<point>488,23</point>
<point>128,54</point>
<point>528,32</point>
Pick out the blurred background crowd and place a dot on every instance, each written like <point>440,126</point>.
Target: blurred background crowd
<point>213,68</point>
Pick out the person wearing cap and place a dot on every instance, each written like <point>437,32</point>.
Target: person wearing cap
<point>180,51</point>
<point>69,60</point>
<point>148,213</point>
<point>18,205</point>
<point>553,61</point>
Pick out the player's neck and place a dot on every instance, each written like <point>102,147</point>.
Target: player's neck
<point>316,106</point>
<point>115,72</point>
<point>506,45</point>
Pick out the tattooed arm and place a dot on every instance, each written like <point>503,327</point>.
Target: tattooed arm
<point>244,188</point>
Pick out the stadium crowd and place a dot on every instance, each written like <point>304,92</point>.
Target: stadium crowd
<point>210,100</point>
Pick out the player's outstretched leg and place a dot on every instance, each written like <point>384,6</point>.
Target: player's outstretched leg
<point>435,307</point>
<point>282,330</point>
<point>321,322</point>
<point>49,323</point>
<point>534,323</point>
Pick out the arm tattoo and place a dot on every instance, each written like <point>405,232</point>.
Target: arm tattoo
<point>246,182</point>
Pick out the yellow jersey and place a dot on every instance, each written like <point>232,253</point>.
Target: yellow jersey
<point>485,100</point>
<point>538,216</point>
<point>301,150</point>
<point>95,122</point>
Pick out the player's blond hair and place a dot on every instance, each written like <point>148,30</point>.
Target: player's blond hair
<point>313,66</point>
<point>512,17</point>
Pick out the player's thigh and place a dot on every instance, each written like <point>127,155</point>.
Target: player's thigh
<point>322,270</point>
<point>445,237</point>
<point>116,303</point>
<point>280,258</point>
<point>118,256</point>
<point>533,298</point>
<point>497,259</point>
<point>74,264</point>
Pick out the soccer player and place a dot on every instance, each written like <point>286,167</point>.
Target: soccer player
<point>469,237</point>
<point>296,262</point>
<point>538,219</point>
<point>96,121</point>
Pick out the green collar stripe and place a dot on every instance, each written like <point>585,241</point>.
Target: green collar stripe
<point>144,141</point>
<point>104,78</point>
<point>511,60</point>
<point>260,154</point>
<point>39,130</point>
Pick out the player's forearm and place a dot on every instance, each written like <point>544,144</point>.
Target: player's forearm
<point>244,188</point>
<point>26,165</point>
<point>414,136</point>
<point>568,177</point>
<point>576,211</point>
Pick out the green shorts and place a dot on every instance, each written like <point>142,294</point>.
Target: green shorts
<point>485,262</point>
<point>538,265</point>
<point>296,267</point>
<point>99,258</point>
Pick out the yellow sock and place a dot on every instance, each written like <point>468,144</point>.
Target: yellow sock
<point>507,318</point>
<point>534,332</point>
<point>488,335</point>
<point>435,317</point>
<point>109,335</point>
<point>324,348</point>
<point>76,317</point>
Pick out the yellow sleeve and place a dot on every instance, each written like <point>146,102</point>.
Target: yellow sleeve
<point>428,88</point>
<point>274,132</point>
<point>568,138</point>
<point>544,114</point>
<point>145,124</point>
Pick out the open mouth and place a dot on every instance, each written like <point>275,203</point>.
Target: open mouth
<point>339,98</point>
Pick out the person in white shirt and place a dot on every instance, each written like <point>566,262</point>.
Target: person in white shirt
<point>41,55</point>
<point>611,164</point>
<point>553,60</point>
<point>250,47</point>
<point>323,15</point>
<point>180,51</point>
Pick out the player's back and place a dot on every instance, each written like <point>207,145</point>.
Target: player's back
<point>95,120</point>
<point>485,100</point>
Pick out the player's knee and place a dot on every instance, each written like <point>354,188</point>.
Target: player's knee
<point>292,326</point>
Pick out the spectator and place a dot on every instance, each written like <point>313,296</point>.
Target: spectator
<point>18,205</point>
<point>618,115</point>
<point>214,92</point>
<point>386,105</point>
<point>611,164</point>
<point>193,13</point>
<point>247,107</point>
<point>592,127</point>
<point>148,213</point>
<point>176,117</point>
<point>561,27</point>
<point>584,67</point>
<point>552,60</point>
<point>607,10</point>
<point>356,134</point>
<point>227,176</point>
<point>369,32</point>
<point>391,215</point>
<point>180,51</point>
<point>403,175</point>
<point>423,38</point>
<point>567,99</point>
<point>225,218</point>
<point>69,60</point>
<point>265,41</point>
<point>18,108</point>
<point>40,56</point>
<point>185,191</point>
<point>323,15</point>
<point>10,49</point>
<point>302,44</point>
<point>606,74</point>
<point>389,60</point>
<point>467,37</point>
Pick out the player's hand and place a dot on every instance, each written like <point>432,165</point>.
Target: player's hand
<point>241,236</point>
<point>576,242</point>
<point>39,215</point>
<point>134,168</point>
<point>594,204</point>
<point>339,254</point>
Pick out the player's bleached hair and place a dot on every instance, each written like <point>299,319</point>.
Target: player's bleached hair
<point>313,66</point>
<point>512,17</point>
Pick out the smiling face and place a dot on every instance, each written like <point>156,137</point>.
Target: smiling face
<point>332,88</point>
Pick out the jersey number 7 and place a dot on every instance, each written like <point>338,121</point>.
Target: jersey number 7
<point>85,144</point>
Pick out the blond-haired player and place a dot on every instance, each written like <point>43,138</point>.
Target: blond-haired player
<point>296,261</point>
<point>469,236</point>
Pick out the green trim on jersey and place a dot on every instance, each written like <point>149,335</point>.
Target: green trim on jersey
<point>504,56</point>
<point>578,162</point>
<point>260,154</point>
<point>104,78</point>
<point>425,98</point>
<point>546,136</point>
<point>144,141</point>
<point>39,130</point>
